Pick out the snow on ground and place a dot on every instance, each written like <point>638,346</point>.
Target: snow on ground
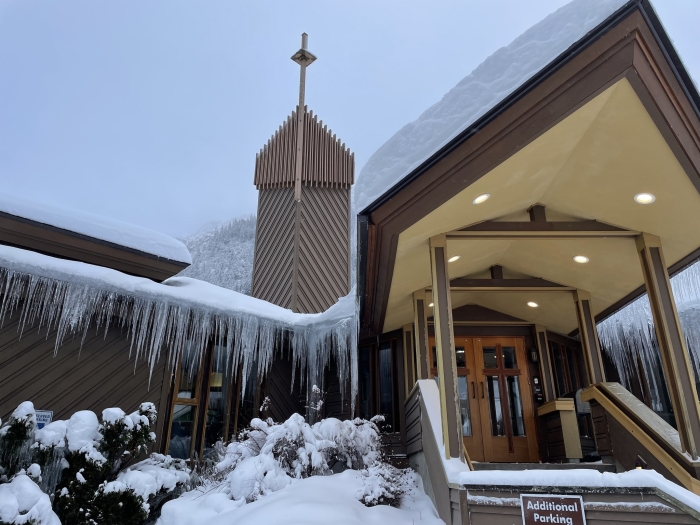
<point>488,85</point>
<point>23,502</point>
<point>97,227</point>
<point>318,500</point>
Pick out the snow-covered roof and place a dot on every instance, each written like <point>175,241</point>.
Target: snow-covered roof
<point>97,227</point>
<point>180,315</point>
<point>476,94</point>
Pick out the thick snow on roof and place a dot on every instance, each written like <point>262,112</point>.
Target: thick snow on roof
<point>102,228</point>
<point>490,83</point>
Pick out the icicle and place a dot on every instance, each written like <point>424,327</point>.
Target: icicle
<point>628,336</point>
<point>182,326</point>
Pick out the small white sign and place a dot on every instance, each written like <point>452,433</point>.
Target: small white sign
<point>43,417</point>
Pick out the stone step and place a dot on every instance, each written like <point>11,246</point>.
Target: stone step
<point>600,467</point>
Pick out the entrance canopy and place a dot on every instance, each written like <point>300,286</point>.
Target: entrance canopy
<point>613,117</point>
<point>587,167</point>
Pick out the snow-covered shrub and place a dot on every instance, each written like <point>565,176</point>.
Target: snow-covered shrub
<point>86,466</point>
<point>383,484</point>
<point>22,502</point>
<point>269,455</point>
<point>16,438</point>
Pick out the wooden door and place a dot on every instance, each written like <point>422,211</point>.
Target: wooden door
<point>505,402</point>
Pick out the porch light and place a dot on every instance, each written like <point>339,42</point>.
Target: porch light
<point>532,304</point>
<point>481,198</point>
<point>430,305</point>
<point>581,259</point>
<point>644,198</point>
<point>453,258</point>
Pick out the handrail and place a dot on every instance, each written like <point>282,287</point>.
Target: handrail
<point>676,463</point>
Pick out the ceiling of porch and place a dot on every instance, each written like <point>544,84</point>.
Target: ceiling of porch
<point>589,166</point>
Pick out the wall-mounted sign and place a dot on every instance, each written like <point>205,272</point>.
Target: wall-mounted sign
<point>43,417</point>
<point>552,508</point>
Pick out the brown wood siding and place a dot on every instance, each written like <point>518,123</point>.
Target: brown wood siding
<point>414,442</point>
<point>97,375</point>
<point>57,242</point>
<point>324,248</point>
<point>274,247</point>
<point>285,400</point>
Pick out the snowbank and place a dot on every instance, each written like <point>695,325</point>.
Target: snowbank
<point>488,85</point>
<point>180,315</point>
<point>317,500</point>
<point>581,478</point>
<point>97,227</point>
<point>23,502</point>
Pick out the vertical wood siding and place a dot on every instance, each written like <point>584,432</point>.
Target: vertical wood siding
<point>98,375</point>
<point>274,246</point>
<point>324,248</point>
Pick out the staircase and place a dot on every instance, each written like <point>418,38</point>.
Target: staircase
<point>490,493</point>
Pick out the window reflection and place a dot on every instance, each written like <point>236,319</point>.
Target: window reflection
<point>461,357</point>
<point>490,360</point>
<point>494,392</point>
<point>181,431</point>
<point>509,357</point>
<point>515,404</point>
<point>464,406</point>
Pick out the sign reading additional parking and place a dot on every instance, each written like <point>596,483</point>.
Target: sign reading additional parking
<point>550,508</point>
<point>43,418</point>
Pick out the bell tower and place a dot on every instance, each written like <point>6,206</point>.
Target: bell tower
<point>303,175</point>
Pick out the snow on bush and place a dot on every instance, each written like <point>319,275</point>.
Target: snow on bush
<point>86,466</point>
<point>22,502</point>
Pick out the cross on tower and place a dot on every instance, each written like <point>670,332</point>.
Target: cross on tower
<point>304,58</point>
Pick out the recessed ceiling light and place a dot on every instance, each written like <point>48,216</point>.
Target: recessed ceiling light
<point>532,304</point>
<point>481,198</point>
<point>430,305</point>
<point>453,258</point>
<point>644,198</point>
<point>582,259</point>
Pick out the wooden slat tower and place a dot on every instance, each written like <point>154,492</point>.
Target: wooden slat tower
<point>304,175</point>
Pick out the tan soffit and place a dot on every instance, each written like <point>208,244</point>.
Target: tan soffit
<point>589,166</point>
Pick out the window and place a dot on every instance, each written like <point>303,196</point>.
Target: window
<point>569,368</point>
<point>207,406</point>
<point>379,379</point>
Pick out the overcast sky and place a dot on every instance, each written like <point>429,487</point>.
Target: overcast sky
<point>152,112</point>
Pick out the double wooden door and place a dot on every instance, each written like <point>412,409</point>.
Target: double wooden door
<point>498,423</point>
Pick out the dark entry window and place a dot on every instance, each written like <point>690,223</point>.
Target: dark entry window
<point>569,368</point>
<point>379,380</point>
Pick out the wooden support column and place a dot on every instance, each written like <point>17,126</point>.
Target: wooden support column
<point>445,350</point>
<point>589,337</point>
<point>550,393</point>
<point>669,336</point>
<point>420,323</point>
<point>408,357</point>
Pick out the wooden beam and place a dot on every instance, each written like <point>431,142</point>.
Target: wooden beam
<point>540,230</point>
<point>445,350</point>
<point>507,285</point>
<point>496,271</point>
<point>409,356</point>
<point>547,378</point>
<point>537,213</point>
<point>589,337</point>
<point>675,360</point>
<point>420,332</point>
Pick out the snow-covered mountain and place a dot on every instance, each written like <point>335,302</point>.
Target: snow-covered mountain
<point>222,254</point>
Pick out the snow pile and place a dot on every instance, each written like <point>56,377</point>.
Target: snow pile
<point>150,477</point>
<point>22,502</point>
<point>317,500</point>
<point>223,255</point>
<point>628,336</point>
<point>474,96</point>
<point>97,227</point>
<point>177,317</point>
